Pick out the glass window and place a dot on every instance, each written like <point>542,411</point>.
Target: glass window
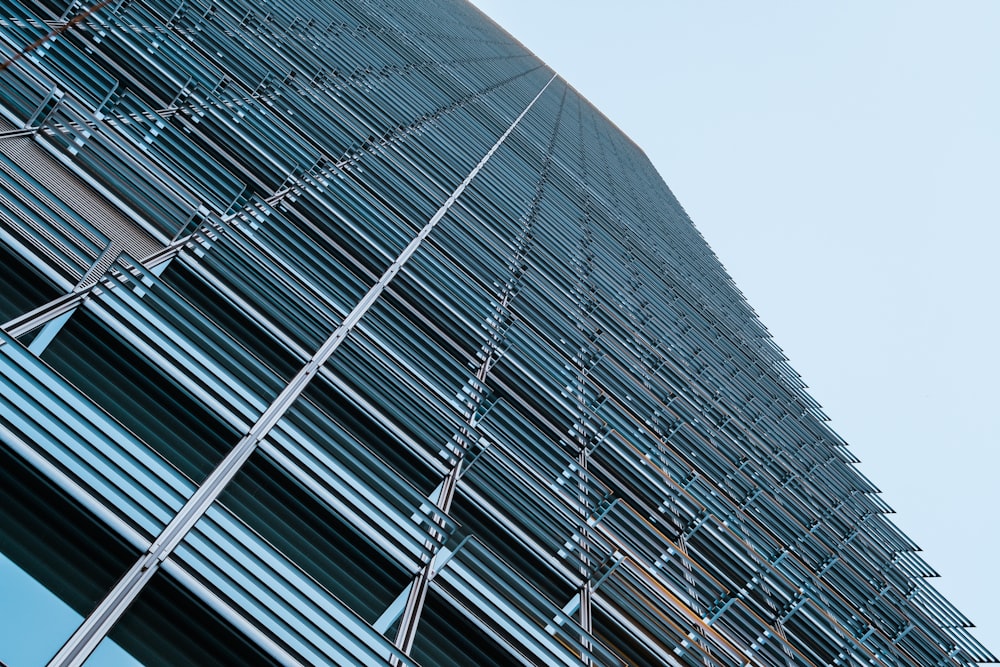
<point>138,395</point>
<point>167,626</point>
<point>56,562</point>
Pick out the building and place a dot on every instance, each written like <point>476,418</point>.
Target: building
<point>346,332</point>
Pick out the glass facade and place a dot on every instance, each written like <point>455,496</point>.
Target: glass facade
<point>346,332</point>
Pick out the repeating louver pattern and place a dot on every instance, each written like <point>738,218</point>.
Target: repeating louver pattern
<point>345,332</point>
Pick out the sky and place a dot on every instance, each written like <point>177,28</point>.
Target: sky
<point>843,160</point>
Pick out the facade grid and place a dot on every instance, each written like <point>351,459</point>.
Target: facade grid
<point>346,332</point>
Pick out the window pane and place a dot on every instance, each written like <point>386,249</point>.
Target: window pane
<point>56,562</point>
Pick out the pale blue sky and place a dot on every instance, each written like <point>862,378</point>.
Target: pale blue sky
<point>843,161</point>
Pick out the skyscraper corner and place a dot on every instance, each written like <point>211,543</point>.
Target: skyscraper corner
<point>347,332</point>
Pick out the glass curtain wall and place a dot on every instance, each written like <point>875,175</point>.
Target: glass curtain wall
<point>347,333</point>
